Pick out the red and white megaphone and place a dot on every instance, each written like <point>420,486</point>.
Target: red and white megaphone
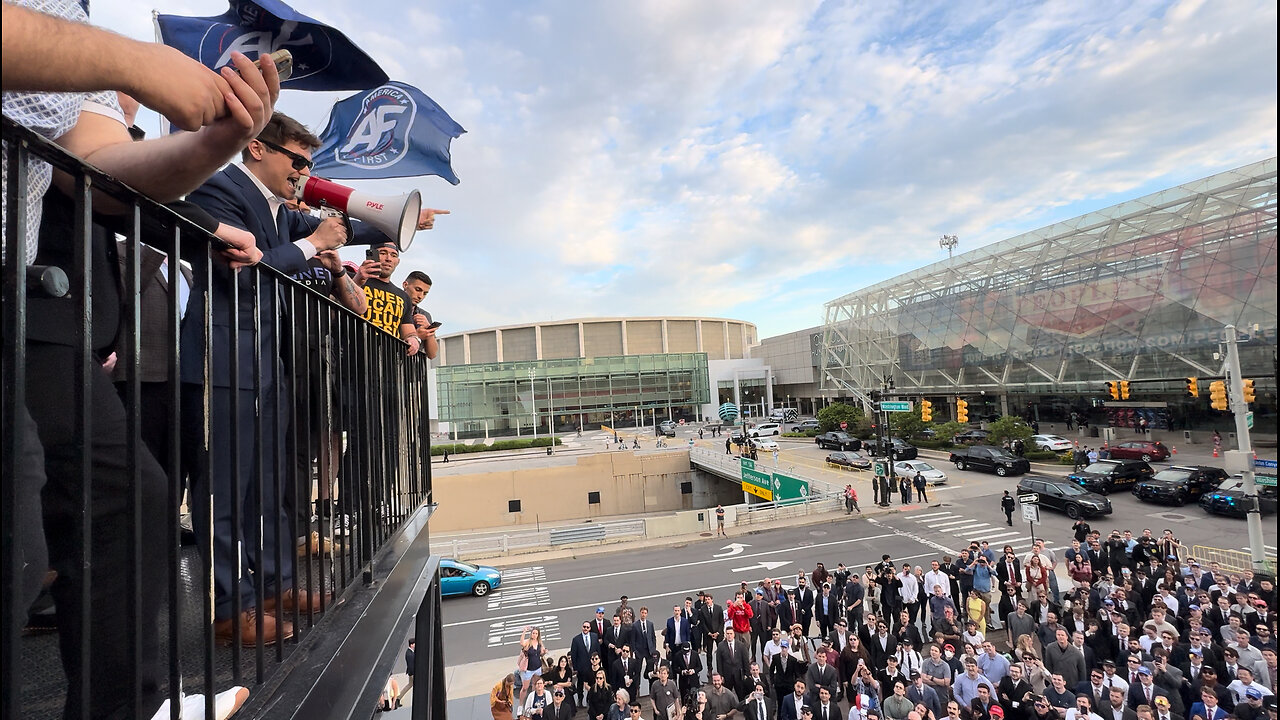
<point>395,216</point>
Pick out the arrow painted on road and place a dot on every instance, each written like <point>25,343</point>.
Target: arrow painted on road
<point>733,548</point>
<point>764,565</point>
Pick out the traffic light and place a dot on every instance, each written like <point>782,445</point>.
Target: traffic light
<point>926,411</point>
<point>1124,389</point>
<point>1218,395</point>
<point>1113,390</point>
<point>1193,387</point>
<point>962,411</point>
<point>1248,391</point>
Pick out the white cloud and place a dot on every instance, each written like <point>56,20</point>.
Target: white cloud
<point>667,157</point>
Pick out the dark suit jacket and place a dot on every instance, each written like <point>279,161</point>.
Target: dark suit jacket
<point>733,667</point>
<point>822,676</point>
<point>805,599</point>
<point>1137,696</point>
<point>566,711</point>
<point>643,642</point>
<point>153,340</point>
<point>787,707</point>
<point>878,653</point>
<point>784,680</point>
<point>827,615</point>
<point>231,197</point>
<point>580,654</point>
<point>617,637</point>
<point>616,675</point>
<point>750,709</point>
<point>711,620</point>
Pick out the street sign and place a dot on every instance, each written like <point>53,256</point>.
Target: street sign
<point>1264,463</point>
<point>844,426</point>
<point>880,468</point>
<point>1248,419</point>
<point>787,489</point>
<point>757,483</point>
<point>1031,513</point>
<point>895,406</point>
<point>1029,499</point>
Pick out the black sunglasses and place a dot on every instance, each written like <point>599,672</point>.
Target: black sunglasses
<point>299,162</point>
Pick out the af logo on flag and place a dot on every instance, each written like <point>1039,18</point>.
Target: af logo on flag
<point>380,134</point>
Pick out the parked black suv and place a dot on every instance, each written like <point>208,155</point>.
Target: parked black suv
<point>838,441</point>
<point>1107,475</point>
<point>990,459</point>
<point>1179,484</point>
<point>1065,496</point>
<point>1229,499</point>
<point>902,450</point>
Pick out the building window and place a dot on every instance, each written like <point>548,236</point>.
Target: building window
<point>513,506</point>
<point>593,498</point>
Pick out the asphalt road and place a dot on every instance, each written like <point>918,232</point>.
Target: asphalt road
<point>559,595</point>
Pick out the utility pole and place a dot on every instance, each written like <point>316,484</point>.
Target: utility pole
<point>1242,458</point>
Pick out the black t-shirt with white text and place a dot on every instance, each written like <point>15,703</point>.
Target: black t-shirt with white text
<point>389,306</point>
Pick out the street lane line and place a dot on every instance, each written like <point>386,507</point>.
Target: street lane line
<point>735,558</point>
<point>926,515</point>
<point>671,593</point>
<point>948,523</point>
<point>971,526</point>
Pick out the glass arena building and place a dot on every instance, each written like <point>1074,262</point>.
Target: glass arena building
<point>1037,324</point>
<point>530,379</point>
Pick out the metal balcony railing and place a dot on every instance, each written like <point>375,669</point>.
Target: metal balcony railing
<point>99,472</point>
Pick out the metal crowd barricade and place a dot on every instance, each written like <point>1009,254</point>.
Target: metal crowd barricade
<point>1230,560</point>
<point>324,389</point>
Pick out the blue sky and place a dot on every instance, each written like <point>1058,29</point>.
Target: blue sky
<point>754,160</point>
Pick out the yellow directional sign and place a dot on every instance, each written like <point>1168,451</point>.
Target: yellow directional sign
<point>758,491</point>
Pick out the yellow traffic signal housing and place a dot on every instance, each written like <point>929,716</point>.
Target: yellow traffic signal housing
<point>1193,387</point>
<point>1124,389</point>
<point>962,411</point>
<point>1218,395</point>
<point>1248,391</point>
<point>1113,390</point>
<point>926,411</point>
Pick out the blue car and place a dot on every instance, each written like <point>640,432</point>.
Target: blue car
<point>459,578</point>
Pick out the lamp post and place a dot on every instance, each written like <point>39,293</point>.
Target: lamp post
<point>948,243</point>
<point>533,402</point>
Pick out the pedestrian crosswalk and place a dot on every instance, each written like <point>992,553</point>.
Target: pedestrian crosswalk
<point>970,528</point>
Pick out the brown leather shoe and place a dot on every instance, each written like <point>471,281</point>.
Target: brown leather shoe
<point>251,625</point>
<point>303,602</point>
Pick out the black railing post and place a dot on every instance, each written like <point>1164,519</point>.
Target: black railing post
<point>82,284</point>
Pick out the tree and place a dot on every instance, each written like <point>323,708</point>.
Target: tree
<point>906,424</point>
<point>830,417</point>
<point>948,430</point>
<point>1008,428</point>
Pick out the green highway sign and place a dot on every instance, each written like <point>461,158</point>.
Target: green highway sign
<point>895,406</point>
<point>788,490</point>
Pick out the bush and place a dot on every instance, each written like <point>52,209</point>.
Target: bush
<point>1067,458</point>
<point>804,434</point>
<point>1040,455</point>
<point>505,444</point>
<point>830,417</point>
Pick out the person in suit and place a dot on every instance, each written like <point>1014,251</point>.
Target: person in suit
<point>821,676</point>
<point>826,610</point>
<point>792,705</point>
<point>1208,707</point>
<point>710,619</point>
<point>759,704</point>
<point>686,665</point>
<point>804,602</point>
<point>559,710</point>
<point>789,610</point>
<point>732,659</point>
<point>784,670</point>
<point>677,632</point>
<point>919,692</point>
<point>584,645</point>
<point>616,635</point>
<point>644,643</point>
<point>760,624</point>
<point>758,674</point>
<point>626,671</point>
<point>1163,710</point>
<point>250,194</point>
<point>882,645</point>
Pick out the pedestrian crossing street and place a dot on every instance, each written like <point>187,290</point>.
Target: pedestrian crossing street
<point>968,528</point>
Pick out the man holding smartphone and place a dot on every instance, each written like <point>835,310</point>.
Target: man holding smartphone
<point>389,308</point>
<point>417,285</point>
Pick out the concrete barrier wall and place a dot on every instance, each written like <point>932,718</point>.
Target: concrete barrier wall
<point>628,483</point>
<point>680,523</point>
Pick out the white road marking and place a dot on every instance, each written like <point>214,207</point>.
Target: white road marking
<point>509,630</point>
<point>926,515</point>
<point>505,598</point>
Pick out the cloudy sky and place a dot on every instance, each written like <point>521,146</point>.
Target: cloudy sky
<point>754,160</point>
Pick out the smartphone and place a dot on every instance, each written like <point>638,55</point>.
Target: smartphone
<point>371,253</point>
<point>434,325</point>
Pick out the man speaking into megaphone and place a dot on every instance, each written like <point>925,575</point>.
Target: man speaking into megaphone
<point>251,194</point>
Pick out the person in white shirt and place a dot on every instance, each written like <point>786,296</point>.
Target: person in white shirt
<point>1243,682</point>
<point>773,646</point>
<point>1082,710</point>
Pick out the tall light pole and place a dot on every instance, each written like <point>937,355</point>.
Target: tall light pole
<point>948,243</point>
<point>533,402</point>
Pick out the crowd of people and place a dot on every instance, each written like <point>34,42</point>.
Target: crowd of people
<point>235,173</point>
<point>1122,627</point>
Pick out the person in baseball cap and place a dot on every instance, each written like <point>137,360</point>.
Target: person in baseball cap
<point>996,712</point>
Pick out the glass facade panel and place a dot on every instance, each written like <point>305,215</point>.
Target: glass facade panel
<point>1138,291</point>
<point>512,398</point>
